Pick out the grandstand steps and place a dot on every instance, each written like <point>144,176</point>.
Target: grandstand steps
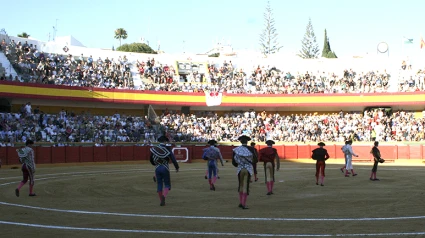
<point>5,63</point>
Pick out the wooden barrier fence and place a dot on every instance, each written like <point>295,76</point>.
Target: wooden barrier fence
<point>77,154</point>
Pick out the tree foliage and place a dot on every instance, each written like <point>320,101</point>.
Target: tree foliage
<point>331,55</point>
<point>120,34</point>
<point>214,55</point>
<point>327,52</point>
<point>269,38</point>
<point>136,47</point>
<point>23,35</point>
<point>310,48</point>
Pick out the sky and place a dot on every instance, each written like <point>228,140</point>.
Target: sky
<point>354,27</point>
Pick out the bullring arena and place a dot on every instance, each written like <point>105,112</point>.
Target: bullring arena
<point>94,179</point>
<point>118,200</point>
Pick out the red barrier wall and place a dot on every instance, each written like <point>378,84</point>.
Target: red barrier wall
<point>12,155</point>
<point>403,152</point>
<point>338,152</point>
<point>100,154</point>
<point>78,154</point>
<point>114,153</point>
<point>43,155</point>
<point>127,153</point>
<point>3,155</point>
<point>227,152</point>
<point>72,154</point>
<point>415,152</point>
<point>290,152</point>
<point>141,152</point>
<point>86,154</point>
<point>197,152</point>
<point>58,155</point>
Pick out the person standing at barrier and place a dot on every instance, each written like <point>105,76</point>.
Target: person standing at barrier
<point>27,159</point>
<point>320,155</point>
<point>376,159</point>
<point>243,157</point>
<point>345,157</point>
<point>160,157</point>
<point>268,155</point>
<point>254,165</point>
<point>348,154</point>
<point>212,154</point>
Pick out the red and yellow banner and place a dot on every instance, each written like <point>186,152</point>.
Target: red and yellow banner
<point>41,91</point>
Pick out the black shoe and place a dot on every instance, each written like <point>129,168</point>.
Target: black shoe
<point>240,205</point>
<point>32,195</point>
<point>218,177</point>
<point>354,175</point>
<point>154,179</point>
<point>245,207</point>
<point>371,179</point>
<point>256,179</point>
<point>213,187</point>
<point>322,184</point>
<point>17,192</point>
<point>342,170</point>
<point>162,201</point>
<point>317,183</point>
<point>269,193</point>
<point>206,177</point>
<point>376,179</point>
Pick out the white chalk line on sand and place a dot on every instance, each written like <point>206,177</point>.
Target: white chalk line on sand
<point>203,233</point>
<point>209,217</point>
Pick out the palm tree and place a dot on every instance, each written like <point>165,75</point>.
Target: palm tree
<point>120,34</point>
<point>23,35</point>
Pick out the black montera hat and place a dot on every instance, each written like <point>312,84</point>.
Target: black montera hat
<point>252,143</point>
<point>212,142</point>
<point>270,142</point>
<point>244,138</point>
<point>163,139</point>
<point>321,144</point>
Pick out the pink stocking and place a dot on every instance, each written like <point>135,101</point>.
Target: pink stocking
<point>166,190</point>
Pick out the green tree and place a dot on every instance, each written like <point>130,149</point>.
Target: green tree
<point>136,47</point>
<point>310,48</point>
<point>214,55</point>
<point>23,35</point>
<point>268,38</point>
<point>327,52</point>
<point>331,55</point>
<point>326,46</point>
<point>120,34</point>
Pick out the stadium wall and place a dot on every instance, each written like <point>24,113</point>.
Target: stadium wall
<point>81,154</point>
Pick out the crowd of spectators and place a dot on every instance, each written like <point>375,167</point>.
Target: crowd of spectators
<point>41,67</point>
<point>68,127</point>
<point>59,69</point>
